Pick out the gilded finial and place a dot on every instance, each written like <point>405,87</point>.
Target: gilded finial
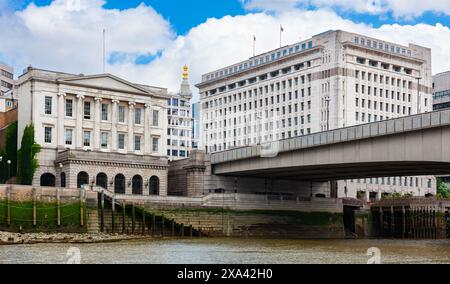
<point>185,72</point>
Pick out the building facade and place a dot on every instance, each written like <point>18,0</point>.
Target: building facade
<point>179,116</point>
<point>7,101</point>
<point>96,130</point>
<point>332,80</point>
<point>441,90</point>
<point>195,125</point>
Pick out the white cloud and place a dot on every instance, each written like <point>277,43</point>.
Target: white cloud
<point>399,8</point>
<point>68,34</point>
<point>69,39</point>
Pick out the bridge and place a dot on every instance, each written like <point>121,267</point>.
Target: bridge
<point>406,146</point>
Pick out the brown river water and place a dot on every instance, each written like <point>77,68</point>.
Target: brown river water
<point>232,251</point>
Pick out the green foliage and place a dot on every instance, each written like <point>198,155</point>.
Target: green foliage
<point>27,162</point>
<point>442,189</point>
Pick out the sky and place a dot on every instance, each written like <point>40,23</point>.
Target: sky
<point>149,41</point>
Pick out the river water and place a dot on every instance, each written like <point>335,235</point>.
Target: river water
<point>232,251</point>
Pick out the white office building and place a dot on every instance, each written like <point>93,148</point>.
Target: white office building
<point>179,115</point>
<point>334,79</point>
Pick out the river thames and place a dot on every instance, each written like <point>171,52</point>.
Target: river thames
<point>232,251</point>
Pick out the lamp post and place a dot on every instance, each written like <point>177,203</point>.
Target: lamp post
<point>327,100</point>
<point>9,168</point>
<point>418,94</point>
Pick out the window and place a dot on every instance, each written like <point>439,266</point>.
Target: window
<point>87,110</point>
<point>104,140</point>
<point>69,136</point>
<point>155,118</point>
<point>121,141</point>
<point>87,138</point>
<point>69,108</point>
<point>48,135</point>
<point>155,142</point>
<point>137,143</point>
<point>104,112</point>
<point>48,105</point>
<point>121,114</point>
<point>137,115</point>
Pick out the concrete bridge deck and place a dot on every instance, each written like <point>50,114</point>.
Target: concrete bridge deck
<point>412,145</point>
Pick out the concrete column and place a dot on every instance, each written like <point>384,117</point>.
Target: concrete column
<point>60,124</point>
<point>113,125</point>
<point>131,126</point>
<point>147,125</point>
<point>367,196</point>
<point>97,121</point>
<point>79,125</point>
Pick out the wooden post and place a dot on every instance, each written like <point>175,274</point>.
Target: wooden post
<point>143,221</point>
<point>133,218</point>
<point>8,206</point>
<point>190,231</point>
<point>81,208</point>
<point>182,229</point>
<point>173,228</point>
<point>162,225</point>
<point>381,229</point>
<point>102,211</point>
<point>34,207</point>
<point>392,222</point>
<point>153,224</point>
<point>403,222</point>
<point>113,214</point>
<point>200,232</point>
<point>124,215</point>
<point>58,208</point>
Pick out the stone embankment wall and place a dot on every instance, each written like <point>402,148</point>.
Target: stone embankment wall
<point>259,223</point>
<point>41,209</point>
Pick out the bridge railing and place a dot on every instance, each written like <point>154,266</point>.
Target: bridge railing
<point>363,131</point>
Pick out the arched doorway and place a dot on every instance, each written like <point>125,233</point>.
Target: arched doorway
<point>137,185</point>
<point>48,179</point>
<point>102,180</point>
<point>82,179</point>
<point>63,179</point>
<point>154,185</point>
<point>119,184</point>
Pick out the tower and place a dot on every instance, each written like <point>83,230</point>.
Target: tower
<point>185,90</point>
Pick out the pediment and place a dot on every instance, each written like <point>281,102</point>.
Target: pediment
<point>106,82</point>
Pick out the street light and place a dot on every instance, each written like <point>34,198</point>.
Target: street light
<point>418,94</point>
<point>9,168</point>
<point>327,100</point>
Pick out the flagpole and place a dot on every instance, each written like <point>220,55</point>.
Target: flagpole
<point>254,43</point>
<point>281,33</point>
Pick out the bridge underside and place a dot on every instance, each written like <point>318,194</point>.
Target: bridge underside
<point>348,171</point>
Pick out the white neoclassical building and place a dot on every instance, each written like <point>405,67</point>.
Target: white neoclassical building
<point>334,79</point>
<point>97,130</point>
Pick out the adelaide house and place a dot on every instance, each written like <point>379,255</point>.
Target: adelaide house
<point>96,130</point>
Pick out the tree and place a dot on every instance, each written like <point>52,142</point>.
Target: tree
<point>27,162</point>
<point>442,189</point>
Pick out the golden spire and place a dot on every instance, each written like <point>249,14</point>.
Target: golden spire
<point>185,72</point>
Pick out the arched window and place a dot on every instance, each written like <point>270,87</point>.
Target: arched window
<point>48,179</point>
<point>137,185</point>
<point>102,180</point>
<point>63,179</point>
<point>82,179</point>
<point>154,185</point>
<point>119,184</point>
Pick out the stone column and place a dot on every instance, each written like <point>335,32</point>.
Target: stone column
<point>147,125</point>
<point>115,102</point>
<point>97,121</point>
<point>60,124</point>
<point>79,128</point>
<point>131,126</point>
